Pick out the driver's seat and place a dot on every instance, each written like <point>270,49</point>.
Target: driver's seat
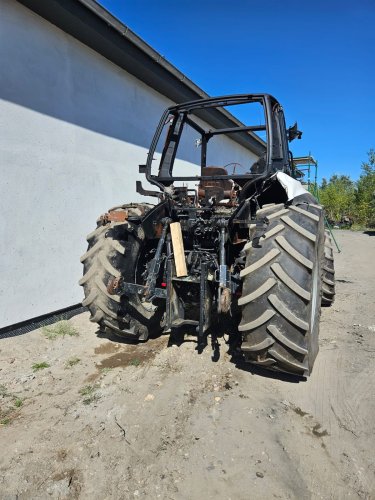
<point>220,189</point>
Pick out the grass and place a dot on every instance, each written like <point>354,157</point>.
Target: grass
<point>72,362</point>
<point>8,410</point>
<point>135,362</point>
<point>360,227</point>
<point>89,393</point>
<point>59,329</point>
<point>87,390</point>
<point>3,391</point>
<point>40,366</point>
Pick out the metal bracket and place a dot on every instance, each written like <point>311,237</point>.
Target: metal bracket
<point>155,263</point>
<point>118,287</point>
<point>146,192</point>
<point>205,305</point>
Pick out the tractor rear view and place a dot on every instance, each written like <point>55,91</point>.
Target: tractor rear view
<point>234,240</point>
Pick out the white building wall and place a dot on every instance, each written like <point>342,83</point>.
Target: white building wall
<point>73,129</point>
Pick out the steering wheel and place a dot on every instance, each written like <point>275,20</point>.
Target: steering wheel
<point>235,164</point>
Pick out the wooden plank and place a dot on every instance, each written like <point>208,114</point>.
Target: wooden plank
<point>178,249</point>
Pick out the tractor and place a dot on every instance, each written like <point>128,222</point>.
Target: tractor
<point>233,242</point>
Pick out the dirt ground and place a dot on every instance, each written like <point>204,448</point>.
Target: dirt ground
<point>158,420</point>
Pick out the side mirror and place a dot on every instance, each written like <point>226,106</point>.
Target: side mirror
<point>294,133</point>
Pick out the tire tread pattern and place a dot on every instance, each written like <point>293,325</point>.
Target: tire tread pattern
<point>328,272</point>
<point>112,253</point>
<point>280,300</point>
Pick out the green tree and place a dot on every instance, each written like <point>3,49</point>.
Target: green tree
<point>338,196</point>
<point>365,196</point>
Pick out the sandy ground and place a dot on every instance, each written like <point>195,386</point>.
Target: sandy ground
<point>157,420</point>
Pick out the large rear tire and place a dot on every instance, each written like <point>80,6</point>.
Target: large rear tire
<point>328,272</point>
<point>282,286</point>
<point>113,252</point>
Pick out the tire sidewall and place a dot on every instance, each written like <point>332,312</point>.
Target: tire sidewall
<point>316,296</point>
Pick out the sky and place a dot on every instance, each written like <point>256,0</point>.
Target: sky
<point>316,57</point>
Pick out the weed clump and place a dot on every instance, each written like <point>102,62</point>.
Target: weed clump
<point>135,362</point>
<point>8,408</point>
<point>89,393</point>
<point>40,366</point>
<point>72,362</point>
<point>3,391</point>
<point>59,329</point>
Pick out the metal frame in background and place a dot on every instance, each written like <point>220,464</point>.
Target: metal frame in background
<point>307,163</point>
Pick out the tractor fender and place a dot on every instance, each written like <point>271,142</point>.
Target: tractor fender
<point>292,187</point>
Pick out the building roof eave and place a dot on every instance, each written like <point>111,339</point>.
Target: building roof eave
<point>94,26</point>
